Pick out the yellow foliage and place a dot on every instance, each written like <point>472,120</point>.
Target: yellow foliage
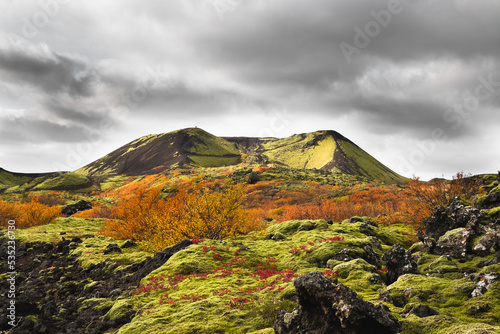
<point>197,210</point>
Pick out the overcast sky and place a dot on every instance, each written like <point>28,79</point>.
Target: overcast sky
<point>415,83</point>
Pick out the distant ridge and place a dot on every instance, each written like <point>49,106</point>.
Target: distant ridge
<point>194,147</point>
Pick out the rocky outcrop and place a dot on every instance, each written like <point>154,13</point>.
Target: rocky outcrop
<point>327,308</point>
<point>483,283</point>
<point>455,243</point>
<point>489,242</point>
<point>452,231</point>
<point>490,201</point>
<point>367,254</point>
<point>71,209</point>
<point>398,262</point>
<point>454,216</point>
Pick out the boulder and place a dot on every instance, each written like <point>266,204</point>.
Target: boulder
<point>454,216</point>
<point>428,243</point>
<point>112,248</point>
<point>484,282</point>
<point>71,209</point>
<point>128,244</point>
<point>422,311</point>
<point>455,243</point>
<point>398,262</point>
<point>490,201</point>
<point>327,308</point>
<point>367,254</point>
<point>488,243</point>
<point>464,216</point>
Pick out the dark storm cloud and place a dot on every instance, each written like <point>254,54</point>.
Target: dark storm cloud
<point>185,61</point>
<point>14,131</point>
<point>50,72</point>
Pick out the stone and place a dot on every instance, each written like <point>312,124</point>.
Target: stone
<point>422,311</point>
<point>307,227</point>
<point>487,262</point>
<point>128,244</point>
<point>371,256</point>
<point>437,223</point>
<point>327,308</point>
<point>490,201</point>
<point>484,282</point>
<point>488,242</point>
<point>452,217</point>
<point>398,262</point>
<point>112,248</point>
<point>71,209</point>
<point>454,243</point>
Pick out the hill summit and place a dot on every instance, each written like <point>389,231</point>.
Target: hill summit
<point>193,147</point>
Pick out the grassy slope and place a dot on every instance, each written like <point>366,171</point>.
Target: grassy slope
<point>369,166</point>
<point>62,181</point>
<point>12,183</point>
<point>317,150</point>
<point>8,179</point>
<point>292,151</point>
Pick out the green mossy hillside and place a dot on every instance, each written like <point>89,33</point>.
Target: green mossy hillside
<point>238,285</point>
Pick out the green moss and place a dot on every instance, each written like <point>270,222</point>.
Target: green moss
<point>73,227</point>
<point>292,226</point>
<point>213,161</point>
<point>345,269</point>
<point>440,265</point>
<point>452,233</point>
<point>90,251</point>
<point>213,266</point>
<point>495,190</point>
<point>416,247</point>
<point>492,212</point>
<point>114,182</point>
<point>121,309</point>
<point>8,180</point>
<point>63,181</point>
<point>315,152</point>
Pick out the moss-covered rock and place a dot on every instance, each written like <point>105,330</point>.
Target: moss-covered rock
<point>343,270</point>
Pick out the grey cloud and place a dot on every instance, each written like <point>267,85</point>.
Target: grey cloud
<point>269,54</point>
<point>37,130</point>
<point>50,72</point>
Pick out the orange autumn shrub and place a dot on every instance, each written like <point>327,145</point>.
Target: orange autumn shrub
<point>32,213</point>
<point>35,213</point>
<point>97,211</point>
<point>197,210</point>
<point>7,212</point>
<point>466,186</point>
<point>133,214</point>
<point>386,205</point>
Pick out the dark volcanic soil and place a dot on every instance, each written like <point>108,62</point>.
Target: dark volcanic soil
<point>51,288</point>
